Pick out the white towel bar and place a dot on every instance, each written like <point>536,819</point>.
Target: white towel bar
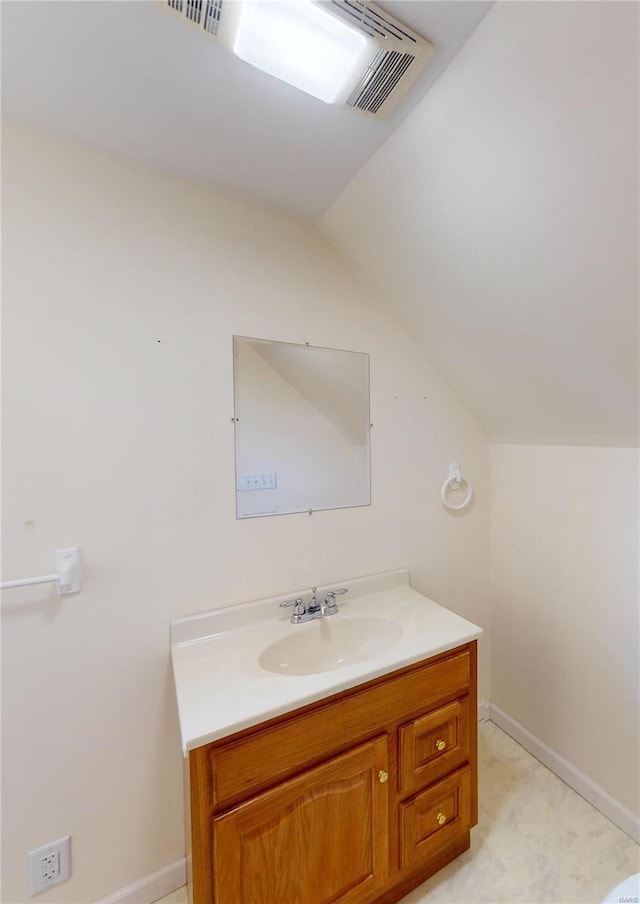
<point>68,574</point>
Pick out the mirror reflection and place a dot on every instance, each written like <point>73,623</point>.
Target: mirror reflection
<point>302,427</point>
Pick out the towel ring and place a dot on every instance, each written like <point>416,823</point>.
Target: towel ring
<point>453,482</point>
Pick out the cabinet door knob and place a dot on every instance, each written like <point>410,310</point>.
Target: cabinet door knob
<point>440,744</point>
<point>441,819</point>
<point>382,776</point>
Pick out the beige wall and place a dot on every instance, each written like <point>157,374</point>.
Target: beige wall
<point>565,617</point>
<point>121,291</point>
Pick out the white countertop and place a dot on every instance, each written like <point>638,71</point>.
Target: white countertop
<point>221,687</point>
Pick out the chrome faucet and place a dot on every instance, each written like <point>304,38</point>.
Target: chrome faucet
<point>315,609</point>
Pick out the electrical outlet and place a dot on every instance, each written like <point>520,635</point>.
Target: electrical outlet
<point>49,865</point>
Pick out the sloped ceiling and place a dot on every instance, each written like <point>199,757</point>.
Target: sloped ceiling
<point>135,78</point>
<point>500,223</point>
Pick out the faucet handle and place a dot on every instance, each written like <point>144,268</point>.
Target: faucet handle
<point>330,600</point>
<point>298,605</point>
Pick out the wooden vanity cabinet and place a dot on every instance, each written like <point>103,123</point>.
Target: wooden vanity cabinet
<point>354,800</point>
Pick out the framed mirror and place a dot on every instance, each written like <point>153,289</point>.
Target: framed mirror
<point>302,428</point>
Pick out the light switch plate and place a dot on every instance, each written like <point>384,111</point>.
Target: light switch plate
<point>247,482</point>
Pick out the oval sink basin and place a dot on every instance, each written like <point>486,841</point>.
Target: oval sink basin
<point>330,643</point>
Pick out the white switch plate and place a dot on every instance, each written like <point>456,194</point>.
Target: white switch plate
<point>49,865</point>
<point>247,482</point>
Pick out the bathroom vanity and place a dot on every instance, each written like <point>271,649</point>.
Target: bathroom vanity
<point>338,778</point>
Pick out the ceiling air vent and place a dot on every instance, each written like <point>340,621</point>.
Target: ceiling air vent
<point>380,78</point>
<point>400,56</point>
<point>205,13</point>
<point>392,58</point>
<point>374,21</point>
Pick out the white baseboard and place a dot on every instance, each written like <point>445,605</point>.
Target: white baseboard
<point>151,888</point>
<point>581,783</point>
<point>484,709</point>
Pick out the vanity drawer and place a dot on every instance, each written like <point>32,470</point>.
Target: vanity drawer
<point>256,760</point>
<point>434,745</point>
<point>435,819</point>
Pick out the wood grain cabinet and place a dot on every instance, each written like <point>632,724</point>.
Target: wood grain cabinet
<point>355,799</point>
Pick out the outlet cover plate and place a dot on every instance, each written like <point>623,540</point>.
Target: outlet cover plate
<point>49,865</point>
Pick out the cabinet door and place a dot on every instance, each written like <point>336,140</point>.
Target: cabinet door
<point>317,838</point>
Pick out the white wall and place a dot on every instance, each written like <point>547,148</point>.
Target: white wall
<point>121,291</point>
<point>565,616</point>
<point>500,220</point>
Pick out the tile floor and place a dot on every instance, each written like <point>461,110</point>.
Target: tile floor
<point>537,841</point>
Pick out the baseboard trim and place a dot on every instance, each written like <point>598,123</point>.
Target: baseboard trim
<point>152,887</point>
<point>484,709</point>
<point>581,783</point>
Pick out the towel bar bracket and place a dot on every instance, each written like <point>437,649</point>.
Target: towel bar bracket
<point>68,576</point>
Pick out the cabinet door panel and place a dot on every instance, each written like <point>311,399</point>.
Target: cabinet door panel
<point>326,830</point>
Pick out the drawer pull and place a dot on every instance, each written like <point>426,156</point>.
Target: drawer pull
<point>440,744</point>
<point>441,819</point>
<point>382,776</point>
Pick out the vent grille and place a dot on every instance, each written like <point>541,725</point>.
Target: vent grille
<point>379,79</point>
<point>372,21</point>
<point>203,12</point>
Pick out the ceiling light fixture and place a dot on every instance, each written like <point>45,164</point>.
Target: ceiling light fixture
<point>341,51</point>
<point>301,43</point>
